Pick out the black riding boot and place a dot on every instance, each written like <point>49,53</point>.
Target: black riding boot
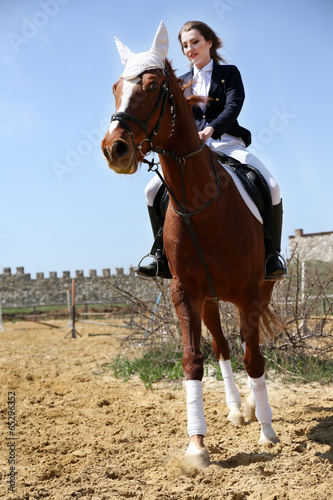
<point>275,266</point>
<point>159,265</point>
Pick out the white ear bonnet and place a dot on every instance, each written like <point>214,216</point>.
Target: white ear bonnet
<point>152,59</point>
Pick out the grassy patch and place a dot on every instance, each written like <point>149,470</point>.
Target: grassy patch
<point>159,364</point>
<point>31,310</point>
<point>296,368</point>
<point>155,365</point>
<point>46,308</point>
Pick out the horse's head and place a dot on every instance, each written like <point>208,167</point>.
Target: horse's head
<point>141,96</point>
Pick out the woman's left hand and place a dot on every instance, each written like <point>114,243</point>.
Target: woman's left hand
<point>206,133</point>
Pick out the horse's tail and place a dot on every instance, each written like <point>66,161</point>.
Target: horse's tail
<point>270,325</point>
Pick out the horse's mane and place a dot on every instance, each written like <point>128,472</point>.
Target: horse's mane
<point>192,99</point>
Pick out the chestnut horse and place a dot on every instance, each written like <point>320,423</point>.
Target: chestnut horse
<point>214,244</point>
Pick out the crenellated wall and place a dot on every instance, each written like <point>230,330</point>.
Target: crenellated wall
<point>20,290</point>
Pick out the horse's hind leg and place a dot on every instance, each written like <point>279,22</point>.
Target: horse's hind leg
<point>266,289</point>
<point>211,318</point>
<point>254,362</point>
<point>250,405</point>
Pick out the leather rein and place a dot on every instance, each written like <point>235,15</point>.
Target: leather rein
<point>123,118</point>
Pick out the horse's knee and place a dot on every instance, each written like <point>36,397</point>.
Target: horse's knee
<point>192,366</point>
<point>221,348</point>
<point>254,363</point>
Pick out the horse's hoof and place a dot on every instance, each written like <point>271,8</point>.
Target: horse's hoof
<point>267,435</point>
<point>250,408</point>
<point>198,457</point>
<point>235,416</point>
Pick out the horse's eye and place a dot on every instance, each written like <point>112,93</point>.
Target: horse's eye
<point>152,86</point>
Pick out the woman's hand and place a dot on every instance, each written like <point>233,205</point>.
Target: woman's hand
<point>206,133</point>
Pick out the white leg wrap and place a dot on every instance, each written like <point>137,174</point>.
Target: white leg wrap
<point>196,423</point>
<point>263,410</point>
<point>231,391</point>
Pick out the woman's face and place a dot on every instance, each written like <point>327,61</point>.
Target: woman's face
<point>196,48</point>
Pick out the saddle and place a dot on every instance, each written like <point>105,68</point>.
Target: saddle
<point>251,179</point>
<point>253,182</point>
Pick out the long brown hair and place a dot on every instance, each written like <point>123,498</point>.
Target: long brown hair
<point>208,34</point>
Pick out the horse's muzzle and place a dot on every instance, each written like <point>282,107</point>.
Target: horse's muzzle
<point>119,155</point>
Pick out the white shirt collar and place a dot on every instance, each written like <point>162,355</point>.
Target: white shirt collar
<point>207,68</point>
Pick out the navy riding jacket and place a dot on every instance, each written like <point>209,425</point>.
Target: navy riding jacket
<point>227,97</point>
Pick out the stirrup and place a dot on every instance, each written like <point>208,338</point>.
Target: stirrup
<point>283,263</point>
<point>148,278</point>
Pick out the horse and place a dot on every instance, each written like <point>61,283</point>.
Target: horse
<point>213,243</point>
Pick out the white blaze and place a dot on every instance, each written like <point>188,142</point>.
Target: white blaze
<point>127,90</point>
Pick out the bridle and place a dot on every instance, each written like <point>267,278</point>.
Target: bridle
<point>123,118</point>
<point>164,96</point>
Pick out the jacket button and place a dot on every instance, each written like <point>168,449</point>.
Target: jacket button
<point>204,117</point>
<point>217,99</point>
<point>222,81</point>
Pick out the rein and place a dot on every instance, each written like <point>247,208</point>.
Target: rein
<point>181,209</point>
<point>183,212</point>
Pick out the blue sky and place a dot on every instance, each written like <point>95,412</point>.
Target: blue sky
<point>58,64</point>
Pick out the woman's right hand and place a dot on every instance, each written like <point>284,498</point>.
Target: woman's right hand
<point>206,133</point>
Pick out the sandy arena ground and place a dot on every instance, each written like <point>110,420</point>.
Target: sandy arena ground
<point>82,435</point>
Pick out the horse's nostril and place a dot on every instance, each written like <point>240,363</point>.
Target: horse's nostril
<point>119,149</point>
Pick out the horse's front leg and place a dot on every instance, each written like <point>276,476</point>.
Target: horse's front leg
<point>254,363</point>
<point>188,310</point>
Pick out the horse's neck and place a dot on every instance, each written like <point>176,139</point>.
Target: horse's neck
<point>198,173</point>
<point>192,182</point>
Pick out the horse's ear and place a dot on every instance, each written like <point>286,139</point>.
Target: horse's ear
<point>161,41</point>
<point>124,52</point>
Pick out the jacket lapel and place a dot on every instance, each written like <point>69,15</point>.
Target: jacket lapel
<point>216,78</point>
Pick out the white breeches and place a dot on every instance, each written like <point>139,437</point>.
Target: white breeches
<point>235,148</point>
<point>151,189</point>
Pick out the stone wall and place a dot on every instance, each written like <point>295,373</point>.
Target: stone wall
<point>312,246</point>
<point>20,290</point>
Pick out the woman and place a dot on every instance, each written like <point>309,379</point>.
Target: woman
<point>218,127</point>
